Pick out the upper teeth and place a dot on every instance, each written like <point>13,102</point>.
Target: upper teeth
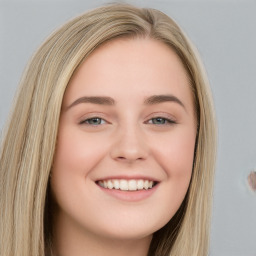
<point>126,184</point>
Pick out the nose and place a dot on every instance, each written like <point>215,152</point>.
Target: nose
<point>129,145</point>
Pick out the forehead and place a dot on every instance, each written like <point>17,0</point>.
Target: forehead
<point>141,65</point>
<point>138,51</point>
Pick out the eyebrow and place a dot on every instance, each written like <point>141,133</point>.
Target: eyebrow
<point>156,99</point>
<point>101,100</point>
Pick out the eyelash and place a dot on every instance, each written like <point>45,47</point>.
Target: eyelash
<point>166,121</point>
<point>86,121</point>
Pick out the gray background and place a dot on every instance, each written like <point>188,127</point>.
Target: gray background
<point>225,35</point>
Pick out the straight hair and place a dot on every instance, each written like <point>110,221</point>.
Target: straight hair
<point>29,139</point>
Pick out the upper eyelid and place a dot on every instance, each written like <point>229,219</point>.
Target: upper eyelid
<point>93,115</point>
<point>161,115</point>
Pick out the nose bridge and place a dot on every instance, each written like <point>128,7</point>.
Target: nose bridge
<point>130,143</point>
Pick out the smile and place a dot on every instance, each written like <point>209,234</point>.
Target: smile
<point>127,185</point>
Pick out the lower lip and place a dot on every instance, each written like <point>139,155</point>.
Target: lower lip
<point>130,196</point>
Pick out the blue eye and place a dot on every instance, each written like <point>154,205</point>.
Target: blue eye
<point>160,121</point>
<point>94,121</point>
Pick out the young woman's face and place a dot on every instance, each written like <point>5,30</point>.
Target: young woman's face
<point>126,142</point>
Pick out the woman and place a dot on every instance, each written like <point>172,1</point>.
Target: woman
<point>110,147</point>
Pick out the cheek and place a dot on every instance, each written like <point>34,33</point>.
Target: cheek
<point>75,157</point>
<point>74,160</point>
<point>175,153</point>
<point>73,163</point>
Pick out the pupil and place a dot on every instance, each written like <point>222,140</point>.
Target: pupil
<point>158,120</point>
<point>95,121</point>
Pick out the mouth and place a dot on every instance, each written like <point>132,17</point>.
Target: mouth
<point>127,184</point>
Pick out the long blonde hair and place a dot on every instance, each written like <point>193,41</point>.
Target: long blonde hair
<point>29,140</point>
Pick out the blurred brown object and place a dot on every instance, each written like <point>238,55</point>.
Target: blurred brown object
<point>252,180</point>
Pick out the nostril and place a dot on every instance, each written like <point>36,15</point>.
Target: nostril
<point>121,157</point>
<point>129,158</point>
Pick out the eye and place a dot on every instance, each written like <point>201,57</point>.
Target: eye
<point>161,121</point>
<point>93,121</point>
